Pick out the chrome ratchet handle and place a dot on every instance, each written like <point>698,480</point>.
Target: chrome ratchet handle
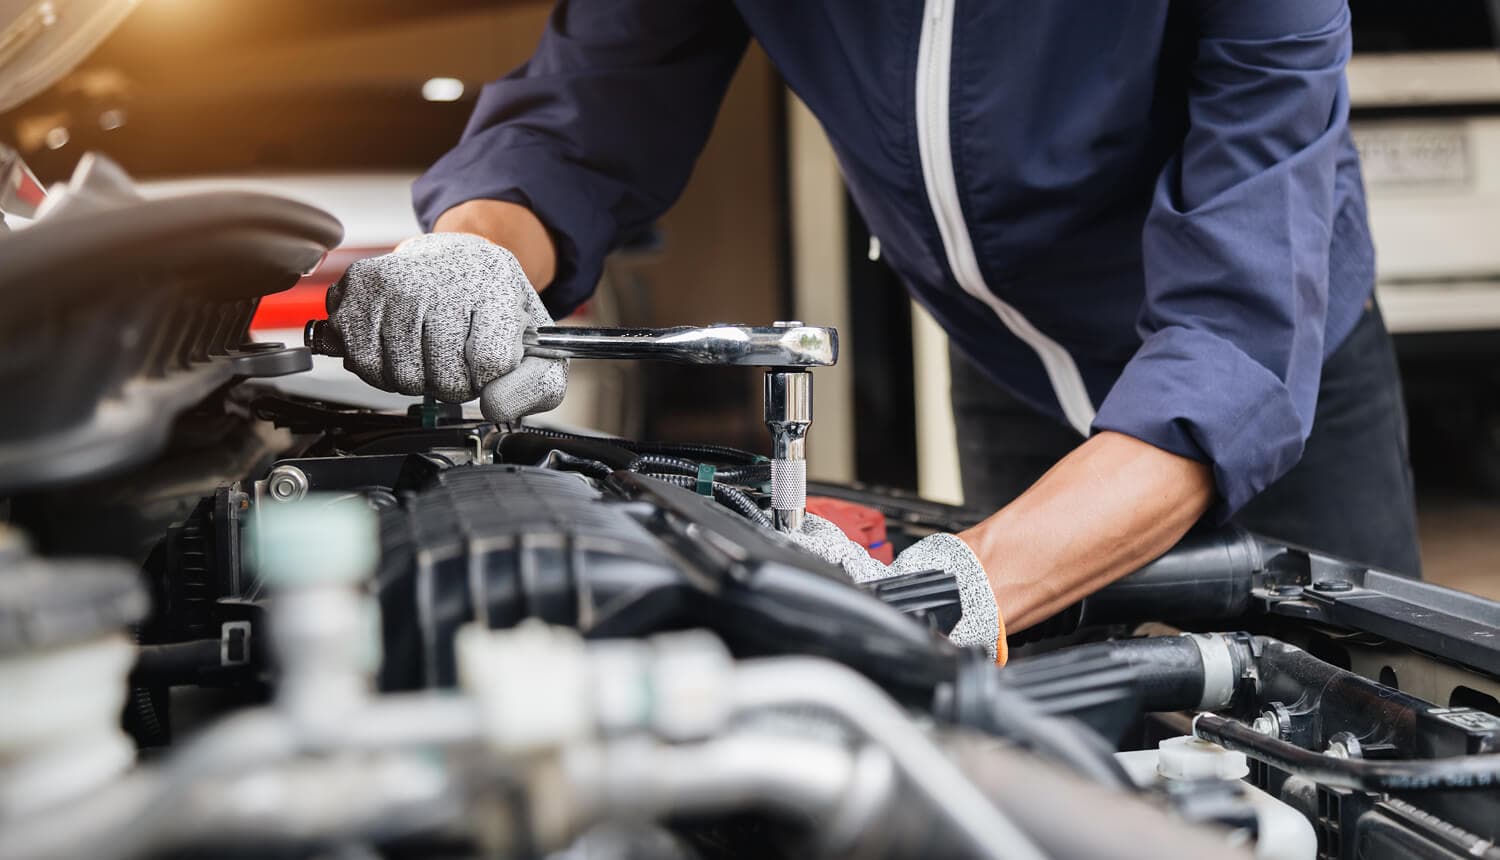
<point>735,345</point>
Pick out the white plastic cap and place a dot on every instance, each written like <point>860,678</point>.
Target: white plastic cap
<point>1187,757</point>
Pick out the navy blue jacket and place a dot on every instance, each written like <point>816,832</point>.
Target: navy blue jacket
<point>1139,215</point>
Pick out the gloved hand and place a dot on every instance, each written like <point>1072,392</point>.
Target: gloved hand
<point>980,625</point>
<point>443,314</point>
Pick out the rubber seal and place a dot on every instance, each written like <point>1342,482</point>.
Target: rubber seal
<point>706,479</point>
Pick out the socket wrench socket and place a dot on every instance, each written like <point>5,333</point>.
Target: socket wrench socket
<point>788,410</point>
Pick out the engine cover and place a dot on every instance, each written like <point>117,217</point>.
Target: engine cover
<point>498,544</point>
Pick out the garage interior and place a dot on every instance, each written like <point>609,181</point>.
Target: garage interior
<point>764,227</point>
<point>341,104</point>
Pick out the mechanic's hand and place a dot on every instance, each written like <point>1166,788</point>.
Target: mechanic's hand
<point>443,314</point>
<point>980,625</point>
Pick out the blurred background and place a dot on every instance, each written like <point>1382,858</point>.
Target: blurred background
<point>342,103</point>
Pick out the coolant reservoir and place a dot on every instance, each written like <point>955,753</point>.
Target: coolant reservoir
<point>1283,833</point>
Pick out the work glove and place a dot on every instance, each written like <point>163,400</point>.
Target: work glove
<point>443,315</point>
<point>980,625</point>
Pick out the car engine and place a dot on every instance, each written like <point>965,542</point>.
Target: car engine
<point>239,622</point>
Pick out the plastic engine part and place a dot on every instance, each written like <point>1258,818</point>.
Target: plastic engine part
<point>498,544</point>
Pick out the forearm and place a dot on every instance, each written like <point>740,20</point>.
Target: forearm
<point>511,226</point>
<point>1112,505</point>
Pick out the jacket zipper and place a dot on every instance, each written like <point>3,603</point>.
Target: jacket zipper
<point>934,141</point>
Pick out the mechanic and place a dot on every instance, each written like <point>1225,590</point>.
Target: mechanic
<point>1142,225</point>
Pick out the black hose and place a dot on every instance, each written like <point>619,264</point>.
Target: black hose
<point>663,465</point>
<point>1460,773</point>
<point>599,458</point>
<point>725,495</point>
<point>685,450</point>
<point>1167,671</point>
<point>532,447</point>
<point>759,473</point>
<point>175,663</point>
<point>565,462</point>
<point>1206,577</point>
<point>660,464</point>
<point>144,717</point>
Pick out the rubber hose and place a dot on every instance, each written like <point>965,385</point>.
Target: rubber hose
<point>660,464</point>
<point>564,462</point>
<point>1459,773</point>
<point>175,663</point>
<point>1168,670</point>
<point>690,451</point>
<point>727,496</point>
<point>749,475</point>
<point>1207,576</point>
<point>144,712</point>
<point>531,447</point>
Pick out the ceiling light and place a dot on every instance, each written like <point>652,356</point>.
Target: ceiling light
<point>443,89</point>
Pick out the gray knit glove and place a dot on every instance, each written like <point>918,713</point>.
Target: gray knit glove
<point>979,626</point>
<point>443,314</point>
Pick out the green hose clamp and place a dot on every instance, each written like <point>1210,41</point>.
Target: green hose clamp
<point>706,479</point>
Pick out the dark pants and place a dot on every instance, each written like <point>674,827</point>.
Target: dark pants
<point>1350,496</point>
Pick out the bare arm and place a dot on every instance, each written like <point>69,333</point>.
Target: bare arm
<point>510,226</point>
<point>1112,505</point>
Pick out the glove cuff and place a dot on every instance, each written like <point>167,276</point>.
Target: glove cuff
<point>1002,645</point>
<point>981,624</point>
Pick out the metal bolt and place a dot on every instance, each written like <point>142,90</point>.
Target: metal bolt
<point>1287,590</point>
<point>1333,585</point>
<point>287,484</point>
<point>1344,745</point>
<point>1275,721</point>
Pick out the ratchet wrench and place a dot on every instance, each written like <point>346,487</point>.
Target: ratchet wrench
<point>787,350</point>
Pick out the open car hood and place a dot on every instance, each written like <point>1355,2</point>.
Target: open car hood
<point>42,40</point>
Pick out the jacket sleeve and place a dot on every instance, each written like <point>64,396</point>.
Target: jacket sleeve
<point>1236,247</point>
<point>597,132</point>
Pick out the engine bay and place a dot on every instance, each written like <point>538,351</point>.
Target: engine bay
<point>238,622</point>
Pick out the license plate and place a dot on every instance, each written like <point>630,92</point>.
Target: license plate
<point>1414,155</point>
